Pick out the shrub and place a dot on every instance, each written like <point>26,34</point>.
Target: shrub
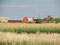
<point>38,21</point>
<point>57,20</point>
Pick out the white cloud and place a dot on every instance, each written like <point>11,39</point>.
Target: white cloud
<point>18,6</point>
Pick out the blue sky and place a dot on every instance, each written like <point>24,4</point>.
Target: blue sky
<point>17,9</point>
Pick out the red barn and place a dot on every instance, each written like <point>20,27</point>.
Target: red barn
<point>14,21</point>
<point>25,19</point>
<point>34,19</point>
<point>48,19</point>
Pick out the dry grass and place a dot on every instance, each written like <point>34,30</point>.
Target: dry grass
<point>8,38</point>
<point>17,25</point>
<point>30,28</point>
<point>32,39</point>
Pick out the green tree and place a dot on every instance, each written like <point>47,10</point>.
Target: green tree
<point>57,20</point>
<point>51,18</point>
<point>38,21</point>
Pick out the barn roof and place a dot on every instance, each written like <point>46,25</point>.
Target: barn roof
<point>25,19</point>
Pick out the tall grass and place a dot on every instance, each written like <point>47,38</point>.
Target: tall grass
<point>30,34</point>
<point>29,39</point>
<point>30,28</point>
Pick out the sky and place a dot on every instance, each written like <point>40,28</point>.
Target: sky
<point>18,9</point>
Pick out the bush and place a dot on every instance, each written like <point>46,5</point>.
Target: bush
<point>38,21</point>
<point>29,22</point>
<point>57,20</point>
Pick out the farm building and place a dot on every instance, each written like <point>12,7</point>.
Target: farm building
<point>3,19</point>
<point>25,19</point>
<point>34,20</point>
<point>30,19</point>
<point>14,21</point>
<point>48,19</point>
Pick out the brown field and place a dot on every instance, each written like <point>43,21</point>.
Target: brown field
<point>17,25</point>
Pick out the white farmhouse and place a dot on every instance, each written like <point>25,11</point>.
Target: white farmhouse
<point>30,19</point>
<point>3,19</point>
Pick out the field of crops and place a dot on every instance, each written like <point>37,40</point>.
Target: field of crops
<point>29,28</point>
<point>29,34</point>
<point>29,39</point>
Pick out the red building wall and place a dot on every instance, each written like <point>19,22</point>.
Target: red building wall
<point>25,19</point>
<point>14,21</point>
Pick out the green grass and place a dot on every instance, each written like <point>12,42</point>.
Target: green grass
<point>32,30</point>
<point>27,43</point>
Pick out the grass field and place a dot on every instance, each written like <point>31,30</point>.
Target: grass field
<point>29,34</point>
<point>29,39</point>
<point>29,28</point>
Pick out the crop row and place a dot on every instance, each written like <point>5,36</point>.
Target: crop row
<point>32,30</point>
<point>29,39</point>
